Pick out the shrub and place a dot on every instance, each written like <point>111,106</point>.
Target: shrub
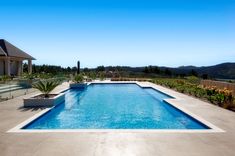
<point>193,79</point>
<point>220,97</point>
<point>198,92</point>
<point>226,98</point>
<point>210,90</point>
<point>45,86</point>
<point>181,82</point>
<point>180,89</point>
<point>28,76</point>
<point>92,75</point>
<point>101,76</point>
<point>212,99</point>
<point>78,78</point>
<point>5,78</point>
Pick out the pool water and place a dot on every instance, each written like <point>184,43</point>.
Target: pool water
<point>115,106</point>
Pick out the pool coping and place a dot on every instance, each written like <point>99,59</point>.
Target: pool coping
<point>173,101</point>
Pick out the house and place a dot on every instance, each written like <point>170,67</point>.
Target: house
<point>11,59</point>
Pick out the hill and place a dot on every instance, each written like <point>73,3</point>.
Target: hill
<point>220,71</point>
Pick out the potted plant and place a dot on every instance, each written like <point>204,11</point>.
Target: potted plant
<point>78,82</point>
<point>44,99</point>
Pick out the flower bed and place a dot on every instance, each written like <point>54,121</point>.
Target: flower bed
<point>220,97</point>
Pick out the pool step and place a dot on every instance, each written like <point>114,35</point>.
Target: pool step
<point>7,86</point>
<point>10,88</point>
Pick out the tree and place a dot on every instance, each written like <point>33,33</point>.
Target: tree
<point>74,69</point>
<point>150,69</point>
<point>146,70</point>
<point>193,73</point>
<point>156,70</point>
<point>69,69</point>
<point>168,72</point>
<point>25,67</point>
<point>204,76</point>
<point>100,68</point>
<point>86,70</point>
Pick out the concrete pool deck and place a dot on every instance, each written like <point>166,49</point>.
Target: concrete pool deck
<point>119,143</point>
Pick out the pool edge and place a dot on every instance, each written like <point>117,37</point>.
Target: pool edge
<point>214,129</point>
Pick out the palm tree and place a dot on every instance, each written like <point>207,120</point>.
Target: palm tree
<point>46,86</point>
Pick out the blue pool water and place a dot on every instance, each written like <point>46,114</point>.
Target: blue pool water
<point>115,106</point>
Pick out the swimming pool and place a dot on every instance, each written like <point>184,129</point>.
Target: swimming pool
<point>115,106</point>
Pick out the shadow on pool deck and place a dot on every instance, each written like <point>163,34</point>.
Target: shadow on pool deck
<point>23,109</point>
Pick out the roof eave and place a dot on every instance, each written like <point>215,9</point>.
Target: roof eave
<point>2,52</point>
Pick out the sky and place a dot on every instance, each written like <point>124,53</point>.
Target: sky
<point>121,32</point>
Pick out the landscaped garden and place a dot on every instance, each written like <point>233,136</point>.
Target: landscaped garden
<point>191,86</point>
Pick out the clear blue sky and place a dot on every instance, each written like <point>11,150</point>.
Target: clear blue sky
<point>121,32</point>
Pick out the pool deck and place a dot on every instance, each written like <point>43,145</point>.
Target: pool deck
<point>120,143</point>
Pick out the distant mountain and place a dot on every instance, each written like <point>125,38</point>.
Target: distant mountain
<point>187,67</point>
<point>220,71</point>
<point>223,71</point>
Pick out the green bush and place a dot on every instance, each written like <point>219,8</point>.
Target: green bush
<point>78,78</point>
<point>221,97</point>
<point>180,89</point>
<point>101,76</point>
<point>45,86</point>
<point>193,80</point>
<point>5,78</point>
<point>28,76</point>
<point>212,99</point>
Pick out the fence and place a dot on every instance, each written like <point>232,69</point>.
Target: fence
<point>13,88</point>
<point>10,89</point>
<point>219,84</point>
